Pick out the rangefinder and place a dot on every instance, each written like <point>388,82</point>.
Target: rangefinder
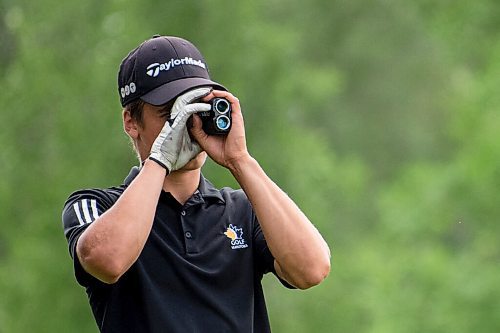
<point>217,121</point>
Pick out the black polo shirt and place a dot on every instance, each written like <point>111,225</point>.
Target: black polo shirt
<point>200,269</point>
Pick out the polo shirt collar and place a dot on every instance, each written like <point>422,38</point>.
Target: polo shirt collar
<point>132,174</point>
<point>205,188</point>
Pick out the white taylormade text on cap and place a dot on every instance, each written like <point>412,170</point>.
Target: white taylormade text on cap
<point>154,69</point>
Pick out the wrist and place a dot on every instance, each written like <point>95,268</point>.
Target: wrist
<point>239,166</point>
<point>154,164</point>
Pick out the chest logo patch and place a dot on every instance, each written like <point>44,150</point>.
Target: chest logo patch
<point>235,234</point>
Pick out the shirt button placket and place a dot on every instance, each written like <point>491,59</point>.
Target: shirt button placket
<point>188,234</point>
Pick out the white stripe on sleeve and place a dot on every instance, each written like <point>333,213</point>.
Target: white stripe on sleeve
<point>86,212</point>
<point>77,211</point>
<point>95,213</point>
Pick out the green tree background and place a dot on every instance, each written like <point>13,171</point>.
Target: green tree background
<point>379,118</point>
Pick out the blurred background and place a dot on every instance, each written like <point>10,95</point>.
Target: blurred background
<point>380,118</point>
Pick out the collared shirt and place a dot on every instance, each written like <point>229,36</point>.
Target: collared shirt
<point>200,269</point>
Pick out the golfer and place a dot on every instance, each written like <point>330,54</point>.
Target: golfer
<point>166,251</point>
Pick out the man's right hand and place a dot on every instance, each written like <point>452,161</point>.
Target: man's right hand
<point>226,150</point>
<point>173,147</point>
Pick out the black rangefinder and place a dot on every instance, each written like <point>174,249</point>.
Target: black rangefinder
<point>218,120</point>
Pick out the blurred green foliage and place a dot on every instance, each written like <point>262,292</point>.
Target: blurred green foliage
<point>379,118</point>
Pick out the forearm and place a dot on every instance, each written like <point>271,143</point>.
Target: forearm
<point>113,242</point>
<point>302,256</point>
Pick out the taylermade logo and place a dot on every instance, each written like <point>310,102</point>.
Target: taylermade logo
<point>236,235</point>
<point>154,69</point>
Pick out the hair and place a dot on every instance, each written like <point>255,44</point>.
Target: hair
<point>136,109</point>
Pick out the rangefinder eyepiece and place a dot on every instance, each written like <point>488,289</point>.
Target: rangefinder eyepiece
<point>221,105</point>
<point>217,121</point>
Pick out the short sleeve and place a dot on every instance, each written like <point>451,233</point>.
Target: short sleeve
<point>80,210</point>
<point>264,260</point>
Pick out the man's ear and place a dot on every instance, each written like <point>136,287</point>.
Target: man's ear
<point>130,125</point>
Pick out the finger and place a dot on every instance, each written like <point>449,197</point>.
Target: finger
<point>192,95</point>
<point>187,98</point>
<point>220,93</point>
<point>197,123</point>
<point>197,130</point>
<point>190,109</point>
<point>197,107</point>
<point>235,102</point>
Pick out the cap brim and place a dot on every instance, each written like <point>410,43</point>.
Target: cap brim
<point>165,93</point>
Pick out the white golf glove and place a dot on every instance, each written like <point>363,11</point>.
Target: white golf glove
<point>173,147</point>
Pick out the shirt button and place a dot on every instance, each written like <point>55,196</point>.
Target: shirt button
<point>183,213</point>
<point>188,234</point>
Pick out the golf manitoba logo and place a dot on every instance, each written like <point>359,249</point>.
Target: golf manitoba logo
<point>154,69</point>
<point>236,235</point>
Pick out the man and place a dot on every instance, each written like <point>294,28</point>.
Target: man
<point>166,251</point>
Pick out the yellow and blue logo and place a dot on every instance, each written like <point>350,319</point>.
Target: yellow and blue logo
<point>235,234</point>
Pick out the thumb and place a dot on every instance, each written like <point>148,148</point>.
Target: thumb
<point>197,130</point>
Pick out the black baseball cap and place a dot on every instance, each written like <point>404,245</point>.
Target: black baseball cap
<point>160,69</point>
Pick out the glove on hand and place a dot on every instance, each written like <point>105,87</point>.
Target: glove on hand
<point>173,147</point>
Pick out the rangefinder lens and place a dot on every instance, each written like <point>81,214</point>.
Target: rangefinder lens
<point>222,123</point>
<point>221,106</point>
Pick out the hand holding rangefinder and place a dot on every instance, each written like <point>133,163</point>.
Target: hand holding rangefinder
<point>217,121</point>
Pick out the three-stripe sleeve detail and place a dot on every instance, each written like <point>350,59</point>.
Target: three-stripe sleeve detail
<point>86,211</point>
